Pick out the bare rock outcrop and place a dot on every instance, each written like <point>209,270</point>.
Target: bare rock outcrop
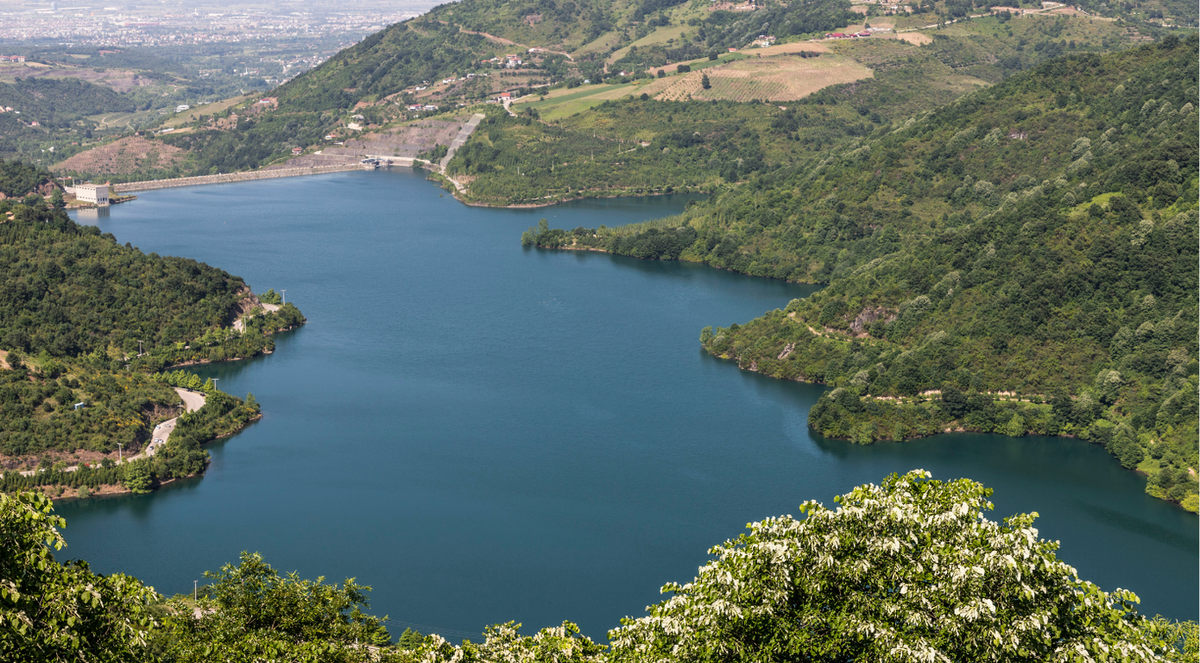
<point>868,316</point>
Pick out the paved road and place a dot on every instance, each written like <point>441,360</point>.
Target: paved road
<point>192,401</point>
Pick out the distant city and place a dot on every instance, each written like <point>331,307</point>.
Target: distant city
<point>186,23</point>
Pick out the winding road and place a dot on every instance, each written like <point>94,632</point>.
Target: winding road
<point>192,401</point>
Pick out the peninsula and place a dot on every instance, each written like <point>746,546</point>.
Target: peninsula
<point>88,328</point>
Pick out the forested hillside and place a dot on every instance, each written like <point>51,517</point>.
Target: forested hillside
<point>18,179</point>
<point>584,52</point>
<point>84,320</point>
<point>1038,237</point>
<point>58,103</point>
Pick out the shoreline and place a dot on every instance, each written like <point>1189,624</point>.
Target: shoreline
<point>571,200</point>
<point>117,490</point>
<point>958,426</point>
<point>694,262</point>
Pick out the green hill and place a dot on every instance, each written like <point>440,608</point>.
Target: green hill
<point>1037,238</point>
<point>18,179</point>
<point>59,103</point>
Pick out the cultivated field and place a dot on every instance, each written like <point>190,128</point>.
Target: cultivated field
<point>120,80</point>
<point>191,115</point>
<point>565,102</point>
<point>777,73</point>
<point>778,78</point>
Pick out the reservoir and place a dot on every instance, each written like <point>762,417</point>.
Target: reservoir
<point>486,433</point>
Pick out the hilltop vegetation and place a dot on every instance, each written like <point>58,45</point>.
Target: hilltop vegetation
<point>1038,237</point>
<point>20,179</point>
<point>917,566</point>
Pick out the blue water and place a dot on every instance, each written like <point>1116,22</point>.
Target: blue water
<point>486,433</point>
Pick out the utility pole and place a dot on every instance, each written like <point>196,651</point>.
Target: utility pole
<point>120,453</point>
<point>195,589</point>
<point>283,295</point>
<point>214,381</point>
<point>140,353</point>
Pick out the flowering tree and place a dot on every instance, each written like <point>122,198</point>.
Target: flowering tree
<point>909,570</point>
<point>504,644</point>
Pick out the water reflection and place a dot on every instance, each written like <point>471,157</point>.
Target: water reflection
<point>92,215</point>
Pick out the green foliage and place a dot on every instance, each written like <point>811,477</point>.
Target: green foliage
<point>60,612</point>
<point>695,145</point>
<point>917,567</point>
<point>1004,243</point>
<point>37,412</point>
<point>271,297</point>
<point>182,456</point>
<point>85,305</point>
<point>71,291</point>
<point>18,179</point>
<point>136,478</point>
<point>402,55</point>
<point>915,572</point>
<point>252,612</point>
<point>58,102</point>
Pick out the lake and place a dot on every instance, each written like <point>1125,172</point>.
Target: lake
<point>486,433</point>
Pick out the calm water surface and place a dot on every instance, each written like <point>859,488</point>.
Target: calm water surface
<point>485,433</point>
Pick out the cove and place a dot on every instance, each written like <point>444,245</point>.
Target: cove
<point>486,433</point>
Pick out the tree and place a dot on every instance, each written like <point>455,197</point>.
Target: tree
<point>57,612</point>
<point>56,199</point>
<point>137,478</point>
<point>909,570</point>
<point>254,613</point>
<point>704,83</point>
<point>503,642</point>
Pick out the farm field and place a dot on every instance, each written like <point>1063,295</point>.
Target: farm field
<point>191,115</point>
<point>566,102</point>
<point>778,78</point>
<point>119,80</point>
<point>657,37</point>
<point>777,73</point>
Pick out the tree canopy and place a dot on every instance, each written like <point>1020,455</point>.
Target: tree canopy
<point>908,570</point>
<point>50,611</point>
